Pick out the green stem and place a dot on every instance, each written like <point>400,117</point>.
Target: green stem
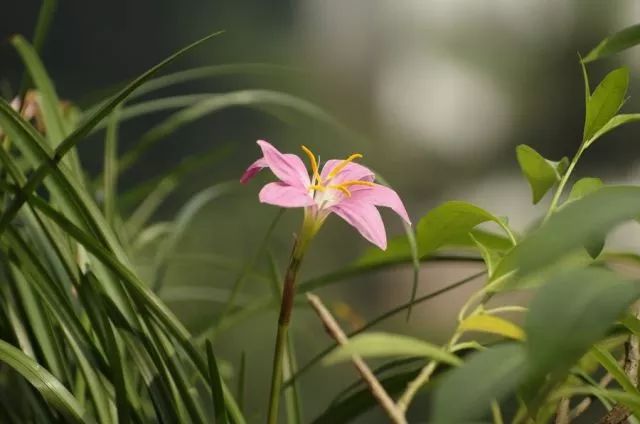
<point>563,182</point>
<point>288,296</point>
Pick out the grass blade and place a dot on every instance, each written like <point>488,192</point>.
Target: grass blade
<point>79,133</point>
<point>217,390</point>
<point>51,389</point>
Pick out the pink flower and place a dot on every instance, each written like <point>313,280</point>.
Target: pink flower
<point>342,187</point>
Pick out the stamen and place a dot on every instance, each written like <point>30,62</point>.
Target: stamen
<point>314,163</point>
<point>357,182</point>
<point>317,187</point>
<point>338,168</point>
<point>342,189</point>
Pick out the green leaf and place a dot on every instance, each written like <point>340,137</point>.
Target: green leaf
<point>216,387</point>
<point>45,16</point>
<point>450,221</point>
<point>492,324</point>
<point>615,43</point>
<point>376,345</point>
<point>614,123</point>
<point>605,102</point>
<point>490,256</point>
<point>559,334</point>
<point>539,172</point>
<point>580,189</point>
<point>464,395</point>
<point>572,227</point>
<point>583,187</point>
<point>47,99</point>
<point>606,359</point>
<point>48,386</point>
<point>79,133</point>
<point>215,102</point>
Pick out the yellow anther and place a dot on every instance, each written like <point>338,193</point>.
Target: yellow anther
<point>317,187</point>
<point>314,163</point>
<point>338,168</point>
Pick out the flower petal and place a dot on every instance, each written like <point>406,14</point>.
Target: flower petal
<point>287,167</point>
<point>252,170</point>
<point>365,218</point>
<point>353,171</point>
<point>284,195</point>
<point>379,195</point>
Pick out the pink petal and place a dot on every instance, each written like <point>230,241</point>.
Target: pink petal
<point>281,194</point>
<point>252,170</point>
<point>379,195</point>
<point>353,171</point>
<point>365,218</point>
<point>287,167</point>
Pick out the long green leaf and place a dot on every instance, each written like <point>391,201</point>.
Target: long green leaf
<point>376,345</point>
<point>615,43</point>
<point>79,133</point>
<point>51,389</point>
<point>45,17</point>
<point>216,387</point>
<point>217,102</point>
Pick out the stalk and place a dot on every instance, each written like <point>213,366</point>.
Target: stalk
<point>288,295</point>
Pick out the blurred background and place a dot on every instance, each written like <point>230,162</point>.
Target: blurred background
<point>435,93</point>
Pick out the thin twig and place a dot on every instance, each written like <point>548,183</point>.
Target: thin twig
<point>580,408</point>
<point>563,415</point>
<point>376,388</point>
<point>415,385</point>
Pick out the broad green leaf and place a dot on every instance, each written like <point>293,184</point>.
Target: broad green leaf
<point>492,324</point>
<point>539,172</point>
<point>584,186</point>
<point>464,394</point>
<point>572,227</point>
<point>448,222</point>
<point>615,43</point>
<point>49,387</point>
<point>558,334</point>
<point>376,345</point>
<point>605,102</point>
<point>399,249</point>
<point>613,123</point>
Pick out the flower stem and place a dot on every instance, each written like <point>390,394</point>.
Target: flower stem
<point>288,295</point>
